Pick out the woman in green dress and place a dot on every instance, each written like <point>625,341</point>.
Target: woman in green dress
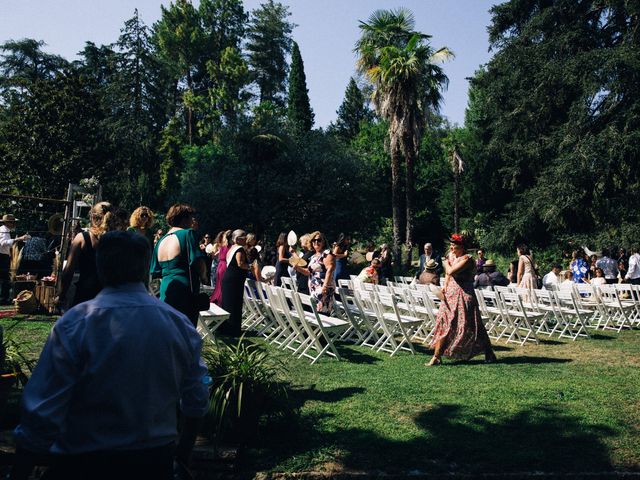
<point>178,259</point>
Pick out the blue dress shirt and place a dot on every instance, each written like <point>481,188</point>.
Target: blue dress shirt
<point>112,375</point>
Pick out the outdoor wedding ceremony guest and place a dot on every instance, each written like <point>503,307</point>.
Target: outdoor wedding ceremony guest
<point>122,216</point>
<point>480,261</point>
<point>459,331</point>
<point>599,279</point>
<point>567,282</point>
<point>141,221</point>
<point>430,275</point>
<point>609,266</point>
<point>551,280</point>
<point>633,272</point>
<point>341,252</point>
<point>253,258</point>
<point>322,264</point>
<point>233,283</point>
<point>623,263</point>
<point>217,244</point>
<point>9,223</point>
<point>369,274</point>
<point>158,235</point>
<point>429,254</point>
<point>302,273</point>
<point>282,262</point>
<point>177,259</point>
<point>115,371</point>
<point>82,255</point>
<point>490,277</point>
<point>527,277</point>
<point>216,296</point>
<point>512,274</point>
<point>579,267</point>
<point>386,263</point>
<point>592,266</point>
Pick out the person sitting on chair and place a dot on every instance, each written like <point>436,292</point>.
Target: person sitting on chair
<point>490,277</point>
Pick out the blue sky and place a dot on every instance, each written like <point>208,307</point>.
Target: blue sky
<point>326,32</point>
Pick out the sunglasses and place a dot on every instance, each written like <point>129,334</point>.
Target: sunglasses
<point>316,240</point>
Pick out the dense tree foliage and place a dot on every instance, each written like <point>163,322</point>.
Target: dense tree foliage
<point>554,123</point>
<point>210,106</point>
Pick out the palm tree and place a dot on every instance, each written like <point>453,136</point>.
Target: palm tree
<point>400,64</point>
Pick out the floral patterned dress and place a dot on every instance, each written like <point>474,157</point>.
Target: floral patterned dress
<point>580,270</point>
<point>458,322</point>
<point>316,282</point>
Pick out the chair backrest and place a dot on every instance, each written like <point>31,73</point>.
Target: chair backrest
<point>287,282</point>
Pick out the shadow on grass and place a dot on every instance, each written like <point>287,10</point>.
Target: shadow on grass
<point>352,355</point>
<point>598,336</point>
<point>451,438</point>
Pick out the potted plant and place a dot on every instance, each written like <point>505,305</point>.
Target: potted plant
<point>14,365</point>
<point>246,380</point>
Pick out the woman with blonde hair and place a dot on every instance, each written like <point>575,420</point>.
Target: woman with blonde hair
<point>141,221</point>
<point>216,296</point>
<point>322,265</point>
<point>82,255</point>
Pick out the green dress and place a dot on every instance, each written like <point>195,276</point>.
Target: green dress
<point>175,288</point>
<point>148,234</point>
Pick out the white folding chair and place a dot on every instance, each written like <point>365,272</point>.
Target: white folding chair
<point>210,320</point>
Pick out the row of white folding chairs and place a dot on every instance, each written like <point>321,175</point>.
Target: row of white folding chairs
<point>290,320</point>
<point>612,307</point>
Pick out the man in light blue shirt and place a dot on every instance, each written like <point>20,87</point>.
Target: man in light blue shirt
<point>115,370</point>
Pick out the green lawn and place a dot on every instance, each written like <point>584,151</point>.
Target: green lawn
<point>556,407</point>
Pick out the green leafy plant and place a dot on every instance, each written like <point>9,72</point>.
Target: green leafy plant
<point>247,381</point>
<point>13,360</point>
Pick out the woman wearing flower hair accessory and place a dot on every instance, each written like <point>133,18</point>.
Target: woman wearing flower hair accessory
<point>459,331</point>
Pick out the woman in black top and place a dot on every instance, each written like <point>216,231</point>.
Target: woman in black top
<point>233,283</point>
<point>82,255</point>
<point>282,261</point>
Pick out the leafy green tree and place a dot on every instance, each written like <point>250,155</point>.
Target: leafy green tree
<point>555,114</point>
<point>353,110</point>
<point>180,40</point>
<point>268,44</point>
<point>399,63</point>
<point>299,113</point>
<point>52,136</point>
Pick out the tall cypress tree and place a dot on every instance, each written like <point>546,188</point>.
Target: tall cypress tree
<point>353,110</point>
<point>299,113</point>
<point>269,43</point>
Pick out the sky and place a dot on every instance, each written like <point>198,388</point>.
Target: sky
<point>326,33</point>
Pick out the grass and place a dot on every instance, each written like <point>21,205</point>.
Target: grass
<point>554,407</point>
<point>560,406</point>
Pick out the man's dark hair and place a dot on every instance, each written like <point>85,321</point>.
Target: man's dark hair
<point>556,265</point>
<point>123,257</point>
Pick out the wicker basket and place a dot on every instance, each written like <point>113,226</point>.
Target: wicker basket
<point>26,302</point>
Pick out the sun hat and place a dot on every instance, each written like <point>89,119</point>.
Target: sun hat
<point>489,264</point>
<point>431,265</point>
<point>8,218</point>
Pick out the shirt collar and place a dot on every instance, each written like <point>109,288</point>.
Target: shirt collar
<point>134,287</point>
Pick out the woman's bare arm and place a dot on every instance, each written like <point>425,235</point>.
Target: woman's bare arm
<point>71,265</point>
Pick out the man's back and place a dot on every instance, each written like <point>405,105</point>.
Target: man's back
<point>112,376</point>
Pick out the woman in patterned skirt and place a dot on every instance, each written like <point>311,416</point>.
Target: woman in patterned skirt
<point>459,331</point>
<point>322,264</point>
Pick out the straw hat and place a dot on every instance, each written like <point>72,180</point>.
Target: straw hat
<point>489,263</point>
<point>431,265</point>
<point>55,224</point>
<point>8,218</point>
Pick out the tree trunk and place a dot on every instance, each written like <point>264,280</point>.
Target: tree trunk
<point>396,200</point>
<point>456,197</point>
<point>189,109</point>
<point>409,201</point>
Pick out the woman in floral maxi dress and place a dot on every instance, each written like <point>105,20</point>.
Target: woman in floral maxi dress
<point>459,331</point>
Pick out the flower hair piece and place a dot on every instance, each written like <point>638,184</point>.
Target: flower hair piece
<point>457,239</point>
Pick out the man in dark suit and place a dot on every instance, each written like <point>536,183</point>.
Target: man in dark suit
<point>429,254</point>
